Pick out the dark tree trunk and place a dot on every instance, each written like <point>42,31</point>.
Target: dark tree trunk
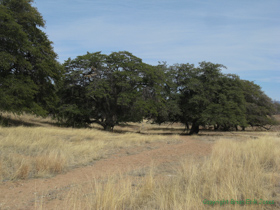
<point>216,127</point>
<point>109,123</point>
<point>108,127</point>
<point>194,129</point>
<point>187,127</point>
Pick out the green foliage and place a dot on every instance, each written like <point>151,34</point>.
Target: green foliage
<point>228,105</point>
<point>109,89</point>
<point>205,96</point>
<point>277,107</point>
<point>259,107</point>
<point>169,111</point>
<point>28,66</point>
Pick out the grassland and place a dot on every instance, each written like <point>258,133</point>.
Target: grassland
<point>242,165</point>
<point>234,171</point>
<point>28,152</point>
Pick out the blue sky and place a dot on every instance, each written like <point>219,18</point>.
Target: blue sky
<point>243,35</point>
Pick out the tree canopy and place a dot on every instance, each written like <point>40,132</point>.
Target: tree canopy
<point>208,97</point>
<point>109,89</point>
<point>28,66</point>
<point>259,107</point>
<point>204,96</point>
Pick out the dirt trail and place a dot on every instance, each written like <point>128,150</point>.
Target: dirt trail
<point>24,194</point>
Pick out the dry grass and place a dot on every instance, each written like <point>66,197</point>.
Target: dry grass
<point>235,170</point>
<point>9,119</point>
<point>243,165</point>
<point>43,151</point>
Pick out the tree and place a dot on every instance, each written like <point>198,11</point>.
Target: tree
<point>28,66</point>
<point>259,107</point>
<point>227,108</point>
<point>208,97</point>
<point>196,88</point>
<point>109,89</point>
<point>170,111</point>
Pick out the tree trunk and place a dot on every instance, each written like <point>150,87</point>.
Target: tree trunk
<point>109,123</point>
<point>108,127</point>
<point>187,127</point>
<point>216,127</point>
<point>194,129</point>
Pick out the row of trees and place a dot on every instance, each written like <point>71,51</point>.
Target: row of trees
<point>116,88</point>
<point>204,96</point>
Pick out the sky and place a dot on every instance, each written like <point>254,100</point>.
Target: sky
<point>243,35</point>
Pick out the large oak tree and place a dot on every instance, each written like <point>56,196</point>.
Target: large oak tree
<point>202,95</point>
<point>109,89</point>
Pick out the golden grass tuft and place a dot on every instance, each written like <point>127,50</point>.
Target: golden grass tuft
<point>49,163</point>
<point>23,170</point>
